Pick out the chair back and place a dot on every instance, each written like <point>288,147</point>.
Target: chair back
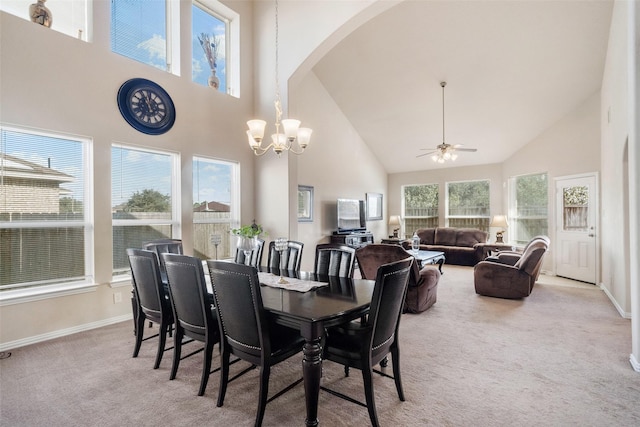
<point>162,246</point>
<point>147,283</point>
<point>386,306</point>
<point>531,259</point>
<point>334,260</point>
<point>292,256</point>
<point>371,257</point>
<point>255,260</point>
<point>189,295</point>
<point>241,316</point>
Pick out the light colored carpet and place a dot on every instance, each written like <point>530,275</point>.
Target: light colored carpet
<point>557,358</point>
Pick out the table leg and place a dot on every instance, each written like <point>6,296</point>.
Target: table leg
<point>440,264</point>
<point>312,372</point>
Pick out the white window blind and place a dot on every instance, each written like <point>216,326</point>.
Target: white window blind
<point>45,209</point>
<point>139,31</point>
<point>145,199</point>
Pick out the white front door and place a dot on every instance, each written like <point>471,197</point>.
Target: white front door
<point>577,208</point>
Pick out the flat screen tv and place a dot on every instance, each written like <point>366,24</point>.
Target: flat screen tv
<point>351,216</point>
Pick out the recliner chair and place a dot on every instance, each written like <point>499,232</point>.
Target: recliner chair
<point>423,283</point>
<point>500,280</point>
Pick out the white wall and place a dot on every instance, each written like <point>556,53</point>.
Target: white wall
<point>54,82</point>
<point>614,133</point>
<point>338,165</point>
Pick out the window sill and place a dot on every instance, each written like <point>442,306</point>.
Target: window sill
<point>21,296</point>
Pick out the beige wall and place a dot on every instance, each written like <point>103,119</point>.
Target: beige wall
<point>615,165</point>
<point>57,83</point>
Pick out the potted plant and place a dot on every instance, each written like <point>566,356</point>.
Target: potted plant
<point>248,236</point>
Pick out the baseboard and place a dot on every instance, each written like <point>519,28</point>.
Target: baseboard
<point>621,311</point>
<point>63,332</point>
<point>634,363</point>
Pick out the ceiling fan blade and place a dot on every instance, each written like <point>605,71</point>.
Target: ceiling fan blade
<point>426,154</point>
<point>471,150</point>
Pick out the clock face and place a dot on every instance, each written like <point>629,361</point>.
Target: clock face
<point>146,106</point>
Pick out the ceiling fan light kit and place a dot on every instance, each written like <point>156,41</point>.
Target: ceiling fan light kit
<point>444,151</point>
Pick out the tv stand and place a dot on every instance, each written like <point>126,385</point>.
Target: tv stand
<point>355,240</point>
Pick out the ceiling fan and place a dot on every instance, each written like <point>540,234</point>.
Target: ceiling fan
<point>444,151</point>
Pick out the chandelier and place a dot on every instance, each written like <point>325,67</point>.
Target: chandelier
<point>289,134</point>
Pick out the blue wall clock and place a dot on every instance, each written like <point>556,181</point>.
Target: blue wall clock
<point>146,106</point>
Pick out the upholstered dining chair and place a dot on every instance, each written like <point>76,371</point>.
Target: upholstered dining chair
<point>152,298</point>
<point>362,346</point>
<point>255,260</point>
<point>193,311</point>
<point>334,260</point>
<point>159,246</point>
<point>292,256</point>
<point>245,329</point>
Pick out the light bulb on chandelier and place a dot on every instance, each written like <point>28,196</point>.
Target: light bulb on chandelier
<point>290,136</point>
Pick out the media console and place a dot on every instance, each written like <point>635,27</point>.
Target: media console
<point>354,240</point>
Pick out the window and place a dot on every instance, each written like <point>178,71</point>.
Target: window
<point>145,200</point>
<point>420,206</point>
<point>215,47</point>
<point>215,207</point>
<point>528,207</point>
<point>70,17</point>
<point>468,204</point>
<point>209,47</point>
<point>46,233</point>
<point>140,30</point>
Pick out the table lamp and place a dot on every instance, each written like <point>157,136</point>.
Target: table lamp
<point>499,221</point>
<point>394,221</point>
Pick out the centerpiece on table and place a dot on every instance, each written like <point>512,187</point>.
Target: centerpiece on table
<point>248,237</point>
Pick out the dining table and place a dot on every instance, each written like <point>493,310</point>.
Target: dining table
<point>337,301</point>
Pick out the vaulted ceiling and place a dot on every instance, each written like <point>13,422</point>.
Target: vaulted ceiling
<point>513,69</point>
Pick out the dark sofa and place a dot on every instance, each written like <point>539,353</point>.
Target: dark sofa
<point>461,246</point>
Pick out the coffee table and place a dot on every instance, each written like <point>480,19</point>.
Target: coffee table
<point>429,257</point>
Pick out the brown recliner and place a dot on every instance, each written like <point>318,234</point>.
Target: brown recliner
<point>423,283</point>
<point>495,279</point>
<point>511,257</point>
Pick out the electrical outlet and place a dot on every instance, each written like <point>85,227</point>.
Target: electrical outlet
<point>117,297</point>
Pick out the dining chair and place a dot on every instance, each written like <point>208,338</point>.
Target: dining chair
<point>291,257</point>
<point>363,346</point>
<point>193,311</point>
<point>152,299</point>
<point>245,329</point>
<point>255,260</point>
<point>334,260</point>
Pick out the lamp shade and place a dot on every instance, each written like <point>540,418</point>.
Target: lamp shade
<point>394,220</point>
<point>499,221</point>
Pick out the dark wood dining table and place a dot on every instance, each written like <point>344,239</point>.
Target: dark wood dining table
<point>342,300</point>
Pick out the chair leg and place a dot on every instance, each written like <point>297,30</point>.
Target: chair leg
<point>346,370</point>
<point>224,377</point>
<point>264,390</point>
<point>367,378</point>
<point>162,340</point>
<point>140,318</point>
<point>206,367</point>
<point>177,351</point>
<point>395,361</point>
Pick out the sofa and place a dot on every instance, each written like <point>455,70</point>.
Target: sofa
<point>423,283</point>
<point>461,246</point>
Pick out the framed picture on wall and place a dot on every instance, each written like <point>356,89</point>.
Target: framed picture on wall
<point>305,203</point>
<point>374,206</point>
